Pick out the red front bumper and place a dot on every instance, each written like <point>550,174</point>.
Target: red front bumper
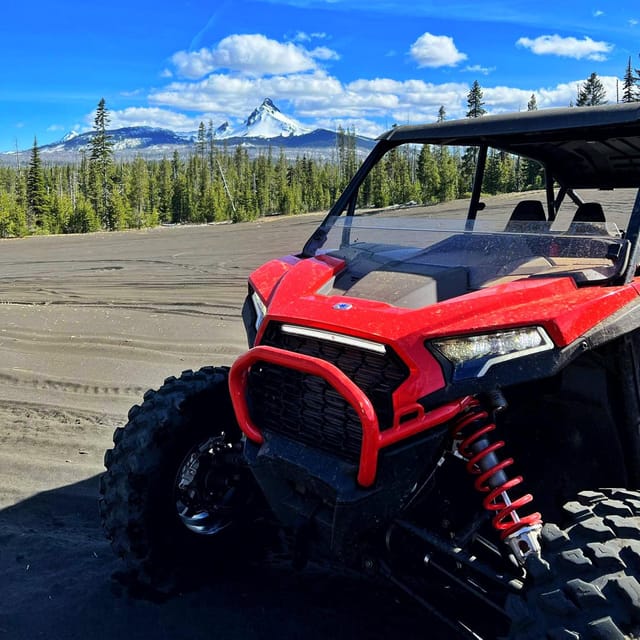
<point>373,440</point>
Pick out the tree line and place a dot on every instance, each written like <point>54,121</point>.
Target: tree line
<point>219,184</point>
<point>215,184</point>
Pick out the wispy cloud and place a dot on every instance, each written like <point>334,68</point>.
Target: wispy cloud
<point>151,117</point>
<point>303,36</point>
<point>569,47</point>
<point>476,68</point>
<point>505,11</point>
<point>324,53</point>
<point>436,51</point>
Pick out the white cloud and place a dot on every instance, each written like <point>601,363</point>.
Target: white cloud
<point>324,53</point>
<point>567,47</point>
<point>598,13</point>
<point>56,127</point>
<point>303,36</point>
<point>476,68</point>
<point>320,98</point>
<point>251,54</point>
<point>132,94</point>
<point>362,126</point>
<point>151,117</point>
<point>436,51</point>
<point>226,94</point>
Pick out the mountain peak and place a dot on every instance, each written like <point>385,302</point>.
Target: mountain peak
<point>267,108</point>
<point>265,124</point>
<point>70,136</point>
<point>267,121</point>
<point>268,103</point>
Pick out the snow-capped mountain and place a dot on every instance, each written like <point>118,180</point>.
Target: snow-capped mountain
<point>222,130</point>
<point>265,127</point>
<point>124,139</point>
<point>267,121</point>
<point>70,136</point>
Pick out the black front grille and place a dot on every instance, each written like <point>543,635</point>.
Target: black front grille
<point>307,409</point>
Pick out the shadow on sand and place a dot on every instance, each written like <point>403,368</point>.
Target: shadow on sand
<point>56,583</point>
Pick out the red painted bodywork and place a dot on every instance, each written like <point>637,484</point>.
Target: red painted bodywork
<point>289,287</point>
<point>372,438</point>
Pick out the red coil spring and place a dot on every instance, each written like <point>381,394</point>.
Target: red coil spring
<point>506,521</point>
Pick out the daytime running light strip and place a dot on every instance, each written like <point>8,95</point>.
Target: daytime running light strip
<point>339,338</point>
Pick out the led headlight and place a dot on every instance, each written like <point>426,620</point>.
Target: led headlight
<point>473,356</point>
<point>260,308</point>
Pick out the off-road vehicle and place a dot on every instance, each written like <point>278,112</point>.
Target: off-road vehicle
<point>449,401</point>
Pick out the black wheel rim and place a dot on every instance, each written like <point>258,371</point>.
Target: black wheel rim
<point>208,486</point>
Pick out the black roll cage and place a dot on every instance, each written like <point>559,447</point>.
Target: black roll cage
<point>578,147</point>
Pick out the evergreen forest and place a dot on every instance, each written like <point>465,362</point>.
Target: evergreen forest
<point>216,184</point>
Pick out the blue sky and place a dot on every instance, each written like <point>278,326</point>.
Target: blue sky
<point>356,63</point>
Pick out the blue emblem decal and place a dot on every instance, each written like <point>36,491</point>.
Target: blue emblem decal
<point>342,306</point>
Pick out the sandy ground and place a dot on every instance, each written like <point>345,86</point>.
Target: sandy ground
<point>87,324</point>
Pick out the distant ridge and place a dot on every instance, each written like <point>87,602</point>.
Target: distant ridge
<point>265,127</point>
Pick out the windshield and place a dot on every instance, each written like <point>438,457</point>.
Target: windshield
<point>512,237</point>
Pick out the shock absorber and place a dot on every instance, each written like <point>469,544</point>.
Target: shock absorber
<point>471,440</point>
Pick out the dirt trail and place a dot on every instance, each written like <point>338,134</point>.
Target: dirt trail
<point>87,324</point>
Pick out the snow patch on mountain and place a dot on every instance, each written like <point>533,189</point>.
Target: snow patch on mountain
<point>267,121</point>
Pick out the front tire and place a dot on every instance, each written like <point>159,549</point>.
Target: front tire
<point>586,586</point>
<point>177,501</point>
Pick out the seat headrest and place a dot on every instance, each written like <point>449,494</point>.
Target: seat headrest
<point>589,212</point>
<point>528,210</point>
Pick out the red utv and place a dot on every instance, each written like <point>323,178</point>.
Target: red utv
<point>434,397</point>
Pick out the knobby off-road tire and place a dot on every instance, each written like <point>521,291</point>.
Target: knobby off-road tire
<point>173,447</point>
<point>587,585</point>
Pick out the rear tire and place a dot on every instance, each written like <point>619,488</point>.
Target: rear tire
<point>177,501</point>
<point>586,586</point>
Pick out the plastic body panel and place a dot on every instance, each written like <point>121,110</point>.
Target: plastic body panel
<point>291,288</point>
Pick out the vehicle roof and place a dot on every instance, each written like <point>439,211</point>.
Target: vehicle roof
<point>581,146</point>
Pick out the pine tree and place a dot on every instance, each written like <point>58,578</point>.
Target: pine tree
<point>37,205</point>
<point>201,140</point>
<point>592,92</point>
<point>442,114</point>
<point>428,175</point>
<point>180,205</point>
<point>476,109</point>
<point>13,219</point>
<point>138,192</point>
<point>474,101</point>
<point>346,150</point>
<point>528,174</point>
<point>100,168</point>
<point>629,87</point>
<point>493,173</point>
<point>448,169</point>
